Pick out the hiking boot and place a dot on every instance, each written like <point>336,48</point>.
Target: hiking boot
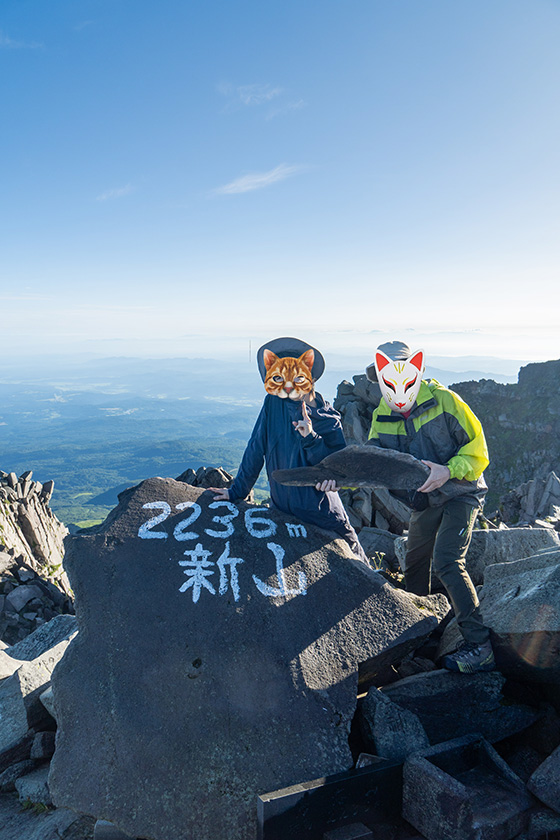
<point>471,658</point>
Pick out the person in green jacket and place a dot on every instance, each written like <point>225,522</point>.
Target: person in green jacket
<point>435,425</point>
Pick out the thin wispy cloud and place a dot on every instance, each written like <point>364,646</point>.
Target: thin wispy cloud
<point>285,109</point>
<point>83,24</point>
<point>116,193</point>
<point>258,180</point>
<point>8,43</point>
<point>248,95</point>
<point>258,96</point>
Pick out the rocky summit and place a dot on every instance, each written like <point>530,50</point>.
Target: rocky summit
<point>217,659</point>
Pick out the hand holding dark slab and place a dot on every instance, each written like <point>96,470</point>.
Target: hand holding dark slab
<point>361,466</point>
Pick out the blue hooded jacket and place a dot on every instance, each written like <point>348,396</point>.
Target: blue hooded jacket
<point>275,440</point>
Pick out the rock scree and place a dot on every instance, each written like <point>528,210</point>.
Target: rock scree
<point>217,659</point>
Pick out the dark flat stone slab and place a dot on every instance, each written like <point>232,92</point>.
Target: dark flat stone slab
<point>361,466</point>
<point>217,659</point>
<point>309,810</point>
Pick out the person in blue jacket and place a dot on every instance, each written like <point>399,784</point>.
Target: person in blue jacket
<point>294,429</point>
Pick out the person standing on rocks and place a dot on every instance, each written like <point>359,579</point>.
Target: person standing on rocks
<point>433,424</point>
<point>423,418</point>
<point>295,428</point>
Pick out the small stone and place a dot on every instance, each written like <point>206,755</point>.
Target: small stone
<point>545,781</point>
<point>34,787</point>
<point>43,745</point>
<point>21,595</point>
<point>13,772</point>
<point>107,831</point>
<point>24,573</point>
<point>50,634</point>
<point>392,731</point>
<point>418,665</point>
<point>355,831</point>
<point>47,699</point>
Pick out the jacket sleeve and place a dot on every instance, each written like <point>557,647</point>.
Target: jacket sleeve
<point>316,447</point>
<point>252,461</point>
<point>472,456</point>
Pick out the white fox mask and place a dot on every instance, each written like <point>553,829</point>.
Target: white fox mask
<point>400,380</point>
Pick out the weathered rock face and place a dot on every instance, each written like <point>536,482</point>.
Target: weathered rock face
<point>20,705</point>
<point>27,599</point>
<point>28,527</point>
<point>504,546</point>
<point>521,423</point>
<point>520,602</point>
<point>536,501</point>
<point>450,705</point>
<point>33,585</point>
<point>217,659</point>
<point>545,781</point>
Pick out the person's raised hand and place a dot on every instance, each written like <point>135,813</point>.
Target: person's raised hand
<point>305,426</point>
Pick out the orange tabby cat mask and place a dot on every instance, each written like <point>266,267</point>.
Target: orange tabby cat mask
<point>288,378</point>
<point>399,379</point>
<point>289,367</point>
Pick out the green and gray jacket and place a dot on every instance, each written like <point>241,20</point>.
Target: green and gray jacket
<point>443,429</point>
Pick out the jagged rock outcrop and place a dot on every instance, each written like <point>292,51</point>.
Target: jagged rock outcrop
<point>33,585</point>
<point>536,502</point>
<point>522,426</point>
<point>27,524</point>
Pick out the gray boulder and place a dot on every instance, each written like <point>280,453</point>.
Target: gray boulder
<point>519,602</point>
<point>8,665</point>
<point>489,547</point>
<point>61,628</point>
<point>217,659</point>
<point>388,729</point>
<point>451,705</point>
<point>377,541</point>
<point>47,699</point>
<point>545,781</point>
<point>20,704</point>
<point>17,823</point>
<point>9,776</point>
<point>34,787</point>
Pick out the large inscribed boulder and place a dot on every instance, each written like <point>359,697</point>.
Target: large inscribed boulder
<point>216,660</point>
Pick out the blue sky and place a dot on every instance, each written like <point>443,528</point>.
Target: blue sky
<point>178,173</point>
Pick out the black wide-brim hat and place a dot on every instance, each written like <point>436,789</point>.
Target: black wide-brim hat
<point>293,347</point>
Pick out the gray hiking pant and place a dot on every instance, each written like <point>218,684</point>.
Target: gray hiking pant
<point>440,536</point>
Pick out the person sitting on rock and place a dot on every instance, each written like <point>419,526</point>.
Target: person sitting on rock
<point>432,423</point>
<point>295,428</point>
